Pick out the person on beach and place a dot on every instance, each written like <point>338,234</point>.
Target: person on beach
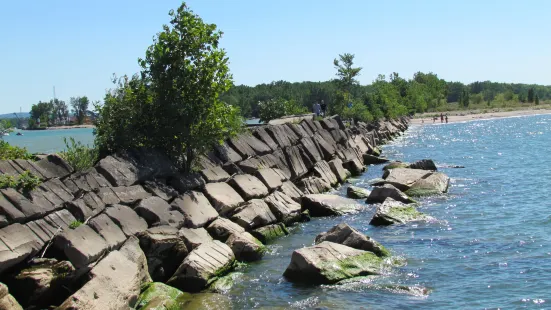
<point>441,117</point>
<point>446,118</point>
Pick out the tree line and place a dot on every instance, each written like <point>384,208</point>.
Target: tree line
<point>56,112</point>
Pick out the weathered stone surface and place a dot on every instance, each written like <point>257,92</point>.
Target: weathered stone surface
<point>108,230</point>
<point>355,192</point>
<point>54,166</point>
<point>158,212</point>
<point>270,178</point>
<point>251,165</point>
<point>326,205</point>
<point>298,130</point>
<point>255,213</point>
<point>403,178</point>
<point>223,197</point>
<point>29,209</point>
<point>245,142</point>
<point>160,189</point>
<point>25,165</point>
<point>7,301</point>
<point>215,174</point>
<point>323,171</point>
<point>7,168</point>
<point>226,153</point>
<point>194,237</point>
<point>290,189</point>
<point>349,236</point>
<point>87,181</point>
<point>265,137</point>
<point>108,196</point>
<point>330,262</point>
<point>269,233</point>
<point>338,135</point>
<point>165,250</point>
<point>435,184</point>
<point>338,170</point>
<point>249,187</point>
<point>202,266</point>
<point>373,160</point>
<point>284,208</point>
<point>131,194</point>
<point>159,296</point>
<point>295,163</point>
<point>196,209</point>
<point>117,171</point>
<point>245,247</point>
<point>60,219</point>
<point>308,125</point>
<point>128,220</point>
<point>395,164</point>
<point>8,210</point>
<point>380,193</point>
<point>314,185</point>
<point>81,245</point>
<point>395,212</point>
<point>279,135</point>
<point>89,205</point>
<point>353,166</point>
<point>222,228</point>
<point>18,243</point>
<point>424,164</point>
<point>311,149</point>
<point>186,183</point>
<point>58,188</point>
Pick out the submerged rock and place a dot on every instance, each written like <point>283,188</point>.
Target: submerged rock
<point>381,193</point>
<point>330,262</point>
<point>245,247</point>
<point>373,160</point>
<point>403,178</point>
<point>156,295</point>
<point>424,164</point>
<point>326,205</point>
<point>395,212</point>
<point>395,164</point>
<point>355,192</point>
<point>435,184</point>
<point>269,233</point>
<point>349,236</point>
<point>225,283</point>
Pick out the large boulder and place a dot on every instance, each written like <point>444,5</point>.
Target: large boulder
<point>215,174</point>
<point>128,220</point>
<point>314,185</point>
<point>330,262</point>
<point>403,178</point>
<point>81,245</point>
<point>395,164</point>
<point>323,171</point>
<point>340,172</point>
<point>255,213</point>
<point>284,208</point>
<point>18,243</point>
<point>196,209</point>
<point>159,296</point>
<point>373,160</point>
<point>380,193</point>
<point>157,212</point>
<point>355,192</point>
<point>203,266</point>
<point>223,197</point>
<point>349,236</point>
<point>435,184</point>
<point>327,205</point>
<point>269,233</point>
<point>164,249</point>
<point>107,229</point>
<point>161,189</point>
<point>291,190</point>
<point>194,237</point>
<point>7,301</point>
<point>249,186</point>
<point>270,178</point>
<point>395,212</point>
<point>424,164</point>
<point>222,228</point>
<point>245,247</point>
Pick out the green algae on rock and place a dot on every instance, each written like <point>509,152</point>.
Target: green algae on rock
<point>435,184</point>
<point>157,295</point>
<point>269,233</point>
<point>346,235</point>
<point>396,164</point>
<point>355,192</point>
<point>395,212</point>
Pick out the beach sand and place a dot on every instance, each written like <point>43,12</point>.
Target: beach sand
<point>70,127</point>
<point>464,116</point>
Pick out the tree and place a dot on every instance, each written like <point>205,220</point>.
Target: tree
<point>530,95</point>
<point>80,106</point>
<point>5,127</point>
<point>42,112</point>
<point>276,108</point>
<point>536,99</point>
<point>346,73</point>
<point>61,111</point>
<point>174,104</point>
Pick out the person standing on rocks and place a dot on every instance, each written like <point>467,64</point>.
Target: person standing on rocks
<point>323,108</point>
<point>317,108</point>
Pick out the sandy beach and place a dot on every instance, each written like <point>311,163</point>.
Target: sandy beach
<point>464,116</point>
<point>70,127</point>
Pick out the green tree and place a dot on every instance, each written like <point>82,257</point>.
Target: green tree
<point>530,95</point>
<point>80,106</point>
<point>5,127</point>
<point>276,108</point>
<point>41,111</point>
<point>60,110</point>
<point>177,107</point>
<point>536,99</point>
<point>346,73</point>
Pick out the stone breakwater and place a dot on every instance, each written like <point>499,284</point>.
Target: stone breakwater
<point>109,237</point>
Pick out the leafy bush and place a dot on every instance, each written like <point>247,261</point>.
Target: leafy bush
<point>25,182</point>
<point>358,112</point>
<point>8,151</point>
<point>78,155</point>
<point>75,224</point>
<point>276,108</point>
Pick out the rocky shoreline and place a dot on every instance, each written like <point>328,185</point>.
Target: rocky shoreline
<point>134,232</point>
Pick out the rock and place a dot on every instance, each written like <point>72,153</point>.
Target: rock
<point>248,186</point>
<point>205,301</point>
<point>323,171</point>
<point>41,284</point>
<point>355,192</point>
<point>289,189</point>
<point>354,166</point>
<point>129,222</point>
<point>380,193</point>
<point>115,284</point>
<point>89,205</point>
<point>254,213</point>
<point>59,189</point>
<point>330,262</point>
<point>349,236</point>
<point>226,153</point>
<point>158,212</point>
<point>131,249</point>
<point>54,166</point>
<point>222,228</point>
<point>7,302</point>
<point>376,151</point>
<point>108,196</point>
<point>183,183</point>
<point>81,245</point>
<point>327,205</point>
<point>403,178</point>
<point>311,149</point>
<point>159,296</point>
<point>395,212</point>
<point>160,189</point>
<point>265,137</point>
<point>18,243</point>
<point>131,195</point>
<point>245,247</point>
<point>373,160</point>
<point>203,266</point>
<point>165,250</point>
<point>435,184</point>
<point>196,209</point>
<point>270,178</point>
<point>223,197</point>
<point>314,185</point>
<point>194,237</point>
<point>278,134</point>
<point>284,208</point>
<point>117,171</point>
<point>338,170</point>
<point>395,164</point>
<point>29,209</point>
<point>269,233</point>
<point>224,284</point>
<point>8,210</point>
<point>215,174</point>
<point>107,229</point>
<point>295,162</point>
<point>424,164</point>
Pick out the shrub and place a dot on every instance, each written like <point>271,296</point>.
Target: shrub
<point>75,224</point>
<point>78,155</point>
<point>276,108</point>
<point>358,112</point>
<point>8,152</point>
<point>25,182</point>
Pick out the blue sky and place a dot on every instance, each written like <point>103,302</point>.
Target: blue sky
<point>76,46</point>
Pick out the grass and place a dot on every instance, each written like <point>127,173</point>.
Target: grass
<point>25,182</point>
<point>78,155</point>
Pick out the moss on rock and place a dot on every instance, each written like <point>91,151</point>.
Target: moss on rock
<point>361,265</point>
<point>269,233</point>
<point>156,295</point>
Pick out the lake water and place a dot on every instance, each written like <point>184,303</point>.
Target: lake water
<point>49,141</point>
<point>491,245</point>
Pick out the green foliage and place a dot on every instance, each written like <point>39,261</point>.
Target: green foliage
<point>25,182</point>
<point>531,95</point>
<point>5,127</point>
<point>80,106</point>
<point>276,108</point>
<point>173,105</point>
<point>358,111</point>
<point>346,73</point>
<point>41,111</point>
<point>75,224</point>
<point>8,151</point>
<point>536,99</point>
<point>60,111</point>
<point>78,155</point>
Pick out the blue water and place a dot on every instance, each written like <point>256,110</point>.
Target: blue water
<point>491,245</point>
<point>49,141</point>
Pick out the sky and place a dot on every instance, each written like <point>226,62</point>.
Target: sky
<point>77,46</point>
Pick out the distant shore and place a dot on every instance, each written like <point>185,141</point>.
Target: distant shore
<point>465,116</point>
<point>66,127</point>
